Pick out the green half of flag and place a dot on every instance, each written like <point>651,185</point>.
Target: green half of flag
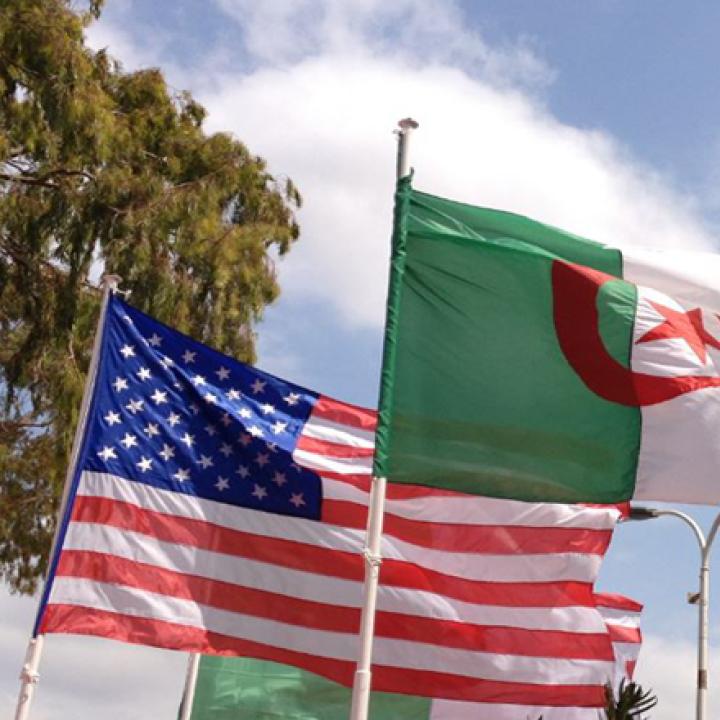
<point>479,394</point>
<point>246,689</point>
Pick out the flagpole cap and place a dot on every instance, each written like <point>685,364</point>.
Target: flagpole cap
<point>408,124</point>
<point>110,282</point>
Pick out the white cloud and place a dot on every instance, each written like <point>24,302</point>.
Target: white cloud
<point>326,122</point>
<point>669,668</point>
<point>328,83</point>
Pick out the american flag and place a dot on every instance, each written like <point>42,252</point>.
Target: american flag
<point>218,509</point>
<point>622,617</point>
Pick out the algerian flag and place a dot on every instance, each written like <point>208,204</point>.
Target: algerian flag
<point>246,689</point>
<point>528,363</point>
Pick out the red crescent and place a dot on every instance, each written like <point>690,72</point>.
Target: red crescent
<point>575,291</point>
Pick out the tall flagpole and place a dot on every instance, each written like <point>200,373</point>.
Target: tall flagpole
<point>29,674</point>
<point>372,551</point>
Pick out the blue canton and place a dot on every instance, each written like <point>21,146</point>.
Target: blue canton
<point>173,413</point>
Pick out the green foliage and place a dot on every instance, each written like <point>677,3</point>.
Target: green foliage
<point>104,168</point>
<point>631,703</point>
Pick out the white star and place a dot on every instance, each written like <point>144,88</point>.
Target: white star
<point>129,441</point>
<point>233,394</point>
<point>127,351</point>
<point>297,499</point>
<point>155,340</point>
<point>245,439</point>
<point>167,452</point>
<point>194,408</point>
<point>226,419</point>
<point>292,399</point>
<point>205,461</point>
<point>255,431</point>
<point>245,413</point>
<point>279,427</point>
<point>159,397</point>
<point>135,406</point>
<point>143,373</point>
<point>226,449</point>
<point>271,446</point>
<point>112,418</point>
<point>222,483</point>
<point>210,398</point>
<point>188,439</point>
<point>223,373</point>
<point>181,475</point>
<point>210,430</point>
<point>145,464</point>
<point>173,419</point>
<point>279,479</point>
<point>151,429</point>
<point>198,380</point>
<point>189,357</point>
<point>267,409</point>
<point>166,361</point>
<point>243,471</point>
<point>262,459</point>
<point>107,453</point>
<point>295,467</point>
<point>259,492</point>
<point>127,319</point>
<point>258,386</point>
<point>120,384</point>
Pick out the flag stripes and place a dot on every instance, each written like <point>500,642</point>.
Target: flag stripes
<point>488,601</point>
<point>622,617</point>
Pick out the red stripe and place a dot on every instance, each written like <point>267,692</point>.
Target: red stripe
<point>105,568</point>
<point>331,449</point>
<point>344,414</point>
<point>624,634</point>
<point>322,561</point>
<point>617,602</point>
<point>484,539</point>
<point>156,633</point>
<point>630,668</point>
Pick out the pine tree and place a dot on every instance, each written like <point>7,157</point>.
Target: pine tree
<point>102,169</point>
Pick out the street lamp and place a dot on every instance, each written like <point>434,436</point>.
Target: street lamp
<point>700,598</point>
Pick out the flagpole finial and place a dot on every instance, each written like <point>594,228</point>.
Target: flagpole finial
<point>406,125</point>
<point>110,282</point>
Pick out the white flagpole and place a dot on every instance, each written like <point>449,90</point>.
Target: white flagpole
<point>29,673</point>
<point>373,557</point>
<point>190,683</point>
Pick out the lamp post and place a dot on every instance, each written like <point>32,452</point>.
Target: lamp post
<point>700,598</point>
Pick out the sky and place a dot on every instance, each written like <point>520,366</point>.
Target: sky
<point>598,117</point>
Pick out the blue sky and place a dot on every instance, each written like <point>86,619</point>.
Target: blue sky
<point>599,117</point>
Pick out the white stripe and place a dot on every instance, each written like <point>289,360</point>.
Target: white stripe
<point>619,616</point>
<point>323,429</point>
<point>324,463</point>
<point>471,566</point>
<point>91,537</point>
<point>475,510</point>
<point>341,646</point>
<point>456,710</point>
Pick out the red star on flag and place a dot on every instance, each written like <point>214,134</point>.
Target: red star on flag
<point>685,325</point>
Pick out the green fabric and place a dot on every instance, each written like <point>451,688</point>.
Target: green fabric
<point>476,394</point>
<point>246,689</point>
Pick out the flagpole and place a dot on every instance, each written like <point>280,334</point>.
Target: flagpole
<point>191,677</point>
<point>29,674</point>
<point>372,552</point>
